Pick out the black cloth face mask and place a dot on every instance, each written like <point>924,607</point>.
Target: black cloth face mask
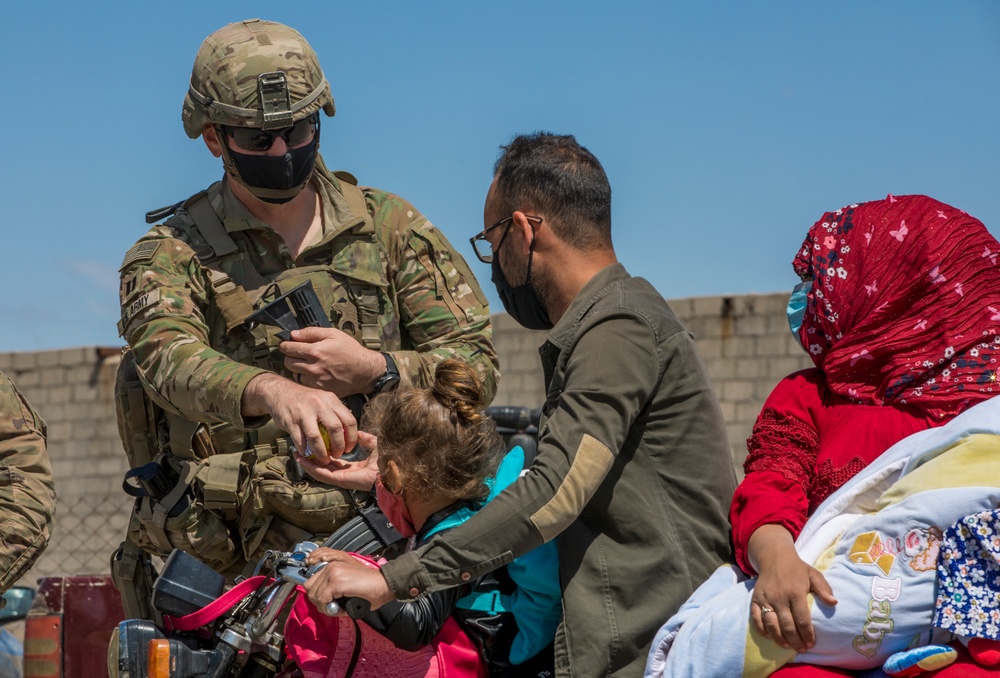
<point>520,302</point>
<point>276,172</point>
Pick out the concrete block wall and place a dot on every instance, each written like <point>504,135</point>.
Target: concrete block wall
<point>743,340</point>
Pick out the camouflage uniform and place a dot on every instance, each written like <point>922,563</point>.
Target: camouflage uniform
<point>27,497</point>
<point>193,364</point>
<point>384,274</point>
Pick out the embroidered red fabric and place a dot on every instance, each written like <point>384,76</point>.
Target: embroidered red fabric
<point>905,304</point>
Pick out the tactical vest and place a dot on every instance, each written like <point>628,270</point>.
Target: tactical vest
<point>240,486</point>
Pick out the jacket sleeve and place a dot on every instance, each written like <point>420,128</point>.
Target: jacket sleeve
<point>442,310</point>
<point>610,375</point>
<point>27,496</point>
<point>780,464</point>
<point>412,625</point>
<point>163,300</point>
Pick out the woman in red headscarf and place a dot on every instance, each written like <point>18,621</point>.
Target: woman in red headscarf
<point>899,308</point>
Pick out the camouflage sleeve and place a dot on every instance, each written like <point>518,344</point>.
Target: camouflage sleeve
<point>163,299</point>
<point>443,312</point>
<point>27,497</point>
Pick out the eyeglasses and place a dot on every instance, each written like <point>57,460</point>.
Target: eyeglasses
<point>483,248</point>
<point>259,140</point>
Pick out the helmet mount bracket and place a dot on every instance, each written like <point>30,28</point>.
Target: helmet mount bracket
<point>275,102</point>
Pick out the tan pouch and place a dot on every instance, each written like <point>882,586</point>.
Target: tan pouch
<point>308,504</point>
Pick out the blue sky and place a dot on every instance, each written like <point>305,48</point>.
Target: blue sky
<point>726,128</point>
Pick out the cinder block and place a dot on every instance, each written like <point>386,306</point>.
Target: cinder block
<point>682,308</point>
<point>83,355</point>
<point>739,347</point>
<point>59,394</point>
<point>719,369</point>
<point>26,380</point>
<point>748,368</point>
<point>778,324</point>
<point>771,345</point>
<point>53,376</point>
<point>736,391</point>
<point>746,413</point>
<point>707,306</point>
<point>84,430</point>
<point>83,393</point>
<point>24,361</point>
<point>59,431</point>
<point>47,359</point>
<point>709,348</point>
<point>750,325</point>
<point>77,410</point>
<point>728,412</point>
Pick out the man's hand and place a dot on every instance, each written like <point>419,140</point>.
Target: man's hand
<point>299,410</point>
<point>332,360</point>
<point>345,577</point>
<point>780,606</point>
<point>351,475</point>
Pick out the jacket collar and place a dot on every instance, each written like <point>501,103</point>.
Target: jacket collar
<point>562,333</point>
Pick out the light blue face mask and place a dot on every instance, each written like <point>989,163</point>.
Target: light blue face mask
<point>797,307</point>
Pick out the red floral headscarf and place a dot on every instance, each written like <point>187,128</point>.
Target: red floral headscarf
<point>905,304</point>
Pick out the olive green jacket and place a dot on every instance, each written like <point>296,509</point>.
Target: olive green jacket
<point>633,478</point>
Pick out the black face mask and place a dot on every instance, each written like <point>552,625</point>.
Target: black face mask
<point>520,302</point>
<point>276,172</point>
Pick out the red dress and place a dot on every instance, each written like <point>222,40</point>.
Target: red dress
<point>807,442</point>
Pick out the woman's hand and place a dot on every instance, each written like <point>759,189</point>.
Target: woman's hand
<point>345,577</point>
<point>780,607</point>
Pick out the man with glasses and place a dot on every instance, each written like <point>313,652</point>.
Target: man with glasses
<point>633,475</point>
<point>234,396</point>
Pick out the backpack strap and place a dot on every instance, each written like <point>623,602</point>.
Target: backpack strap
<point>231,298</point>
<point>366,295</point>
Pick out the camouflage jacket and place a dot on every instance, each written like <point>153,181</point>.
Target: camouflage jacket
<point>27,497</point>
<point>430,305</point>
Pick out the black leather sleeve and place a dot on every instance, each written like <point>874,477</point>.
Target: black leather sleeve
<point>413,624</point>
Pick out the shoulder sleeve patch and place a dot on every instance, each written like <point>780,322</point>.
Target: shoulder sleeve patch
<point>141,251</point>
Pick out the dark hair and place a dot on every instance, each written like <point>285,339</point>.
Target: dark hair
<point>439,437</point>
<point>560,178</point>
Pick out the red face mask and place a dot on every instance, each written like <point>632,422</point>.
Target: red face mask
<point>394,508</point>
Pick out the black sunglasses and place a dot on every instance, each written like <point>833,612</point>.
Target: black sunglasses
<point>259,140</point>
<point>479,240</point>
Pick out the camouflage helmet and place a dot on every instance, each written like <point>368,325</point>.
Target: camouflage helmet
<point>254,73</point>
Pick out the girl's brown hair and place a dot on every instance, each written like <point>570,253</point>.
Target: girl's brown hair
<point>439,437</point>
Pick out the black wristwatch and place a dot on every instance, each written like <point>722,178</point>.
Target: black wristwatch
<point>390,379</point>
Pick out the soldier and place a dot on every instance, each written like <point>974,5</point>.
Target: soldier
<point>27,497</point>
<point>234,401</point>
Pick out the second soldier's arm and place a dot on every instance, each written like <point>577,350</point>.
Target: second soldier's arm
<point>27,497</point>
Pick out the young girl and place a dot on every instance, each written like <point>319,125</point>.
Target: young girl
<point>439,460</point>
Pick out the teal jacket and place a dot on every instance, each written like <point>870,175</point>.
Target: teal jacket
<point>536,603</point>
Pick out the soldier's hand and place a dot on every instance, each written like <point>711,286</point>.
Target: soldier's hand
<point>299,411</point>
<point>351,475</point>
<point>332,360</point>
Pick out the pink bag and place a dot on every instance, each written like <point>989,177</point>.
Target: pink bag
<point>335,647</point>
